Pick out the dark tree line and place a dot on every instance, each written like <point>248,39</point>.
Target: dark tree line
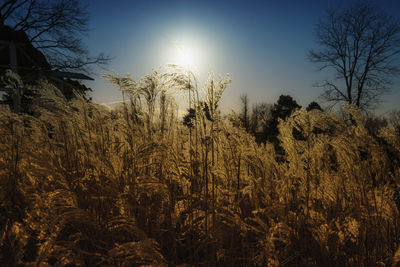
<point>262,122</point>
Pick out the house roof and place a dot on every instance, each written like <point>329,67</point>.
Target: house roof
<point>18,53</point>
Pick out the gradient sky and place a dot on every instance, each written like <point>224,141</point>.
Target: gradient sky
<point>262,45</point>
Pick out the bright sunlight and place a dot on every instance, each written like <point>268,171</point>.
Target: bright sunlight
<point>187,55</point>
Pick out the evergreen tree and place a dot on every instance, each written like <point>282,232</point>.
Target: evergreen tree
<point>281,110</point>
<point>313,105</point>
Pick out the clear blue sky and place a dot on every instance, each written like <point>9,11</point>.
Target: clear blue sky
<point>262,45</point>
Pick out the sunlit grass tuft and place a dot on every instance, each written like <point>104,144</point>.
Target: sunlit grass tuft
<point>84,185</point>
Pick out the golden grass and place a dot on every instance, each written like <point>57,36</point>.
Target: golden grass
<point>82,185</point>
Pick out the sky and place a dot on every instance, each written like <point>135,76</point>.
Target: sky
<point>262,45</point>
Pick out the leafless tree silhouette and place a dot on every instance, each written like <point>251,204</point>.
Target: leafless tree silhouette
<point>54,27</point>
<point>360,44</point>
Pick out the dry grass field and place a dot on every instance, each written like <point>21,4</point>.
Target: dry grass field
<point>84,185</point>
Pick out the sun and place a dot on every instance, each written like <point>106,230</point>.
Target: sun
<point>185,55</point>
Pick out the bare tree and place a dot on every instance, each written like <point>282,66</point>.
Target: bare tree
<point>244,116</point>
<point>55,27</point>
<point>360,44</point>
<point>394,119</point>
<point>260,115</point>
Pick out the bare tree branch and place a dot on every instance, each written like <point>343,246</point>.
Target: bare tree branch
<point>361,44</point>
<point>54,27</point>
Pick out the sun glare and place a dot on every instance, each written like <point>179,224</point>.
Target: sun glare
<point>185,55</point>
